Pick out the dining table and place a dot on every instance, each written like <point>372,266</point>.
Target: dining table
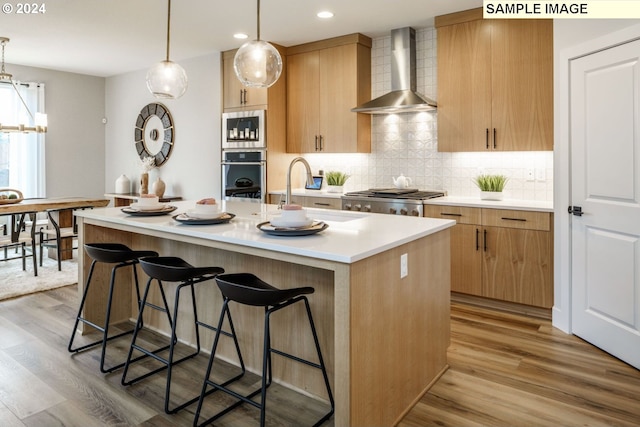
<point>62,208</point>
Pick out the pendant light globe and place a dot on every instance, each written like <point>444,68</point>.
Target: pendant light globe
<point>167,80</point>
<point>257,64</point>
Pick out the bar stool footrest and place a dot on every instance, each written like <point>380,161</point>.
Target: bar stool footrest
<point>152,354</point>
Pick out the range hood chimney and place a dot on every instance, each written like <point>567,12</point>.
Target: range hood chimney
<point>403,97</point>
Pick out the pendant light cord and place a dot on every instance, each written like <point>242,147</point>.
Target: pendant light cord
<point>6,76</point>
<point>258,25</point>
<point>168,27</point>
<point>3,74</point>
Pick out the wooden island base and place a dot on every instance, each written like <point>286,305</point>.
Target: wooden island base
<point>384,339</point>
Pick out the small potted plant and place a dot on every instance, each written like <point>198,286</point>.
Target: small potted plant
<point>491,186</point>
<point>335,181</point>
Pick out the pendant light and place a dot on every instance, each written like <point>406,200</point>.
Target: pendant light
<point>40,119</point>
<point>167,79</point>
<point>257,63</point>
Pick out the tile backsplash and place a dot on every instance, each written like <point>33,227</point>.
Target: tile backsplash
<point>408,143</point>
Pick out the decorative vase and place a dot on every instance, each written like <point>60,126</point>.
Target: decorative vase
<point>335,188</point>
<point>123,185</point>
<point>158,187</point>
<point>144,183</point>
<point>491,195</point>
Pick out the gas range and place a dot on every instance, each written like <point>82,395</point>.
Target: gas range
<point>394,201</point>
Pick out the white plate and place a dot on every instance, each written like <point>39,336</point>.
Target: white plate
<point>204,215</point>
<point>279,222</point>
<point>139,207</point>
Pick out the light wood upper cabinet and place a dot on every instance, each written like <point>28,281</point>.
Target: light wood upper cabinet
<point>326,80</point>
<point>495,83</point>
<point>235,95</point>
<point>303,99</point>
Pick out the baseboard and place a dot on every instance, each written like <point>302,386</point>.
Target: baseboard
<point>509,307</point>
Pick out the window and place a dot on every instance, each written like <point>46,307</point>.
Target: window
<point>22,164</point>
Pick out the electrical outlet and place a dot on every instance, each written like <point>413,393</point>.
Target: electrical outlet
<point>540,175</point>
<point>404,265</point>
<point>531,174</point>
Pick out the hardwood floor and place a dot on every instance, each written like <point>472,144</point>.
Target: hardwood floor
<point>510,370</point>
<point>506,370</point>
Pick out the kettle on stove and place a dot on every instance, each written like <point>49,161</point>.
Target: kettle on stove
<point>402,181</point>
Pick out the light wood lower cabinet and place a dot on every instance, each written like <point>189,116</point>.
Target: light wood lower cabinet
<point>501,254</point>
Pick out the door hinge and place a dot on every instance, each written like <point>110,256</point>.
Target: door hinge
<point>575,210</point>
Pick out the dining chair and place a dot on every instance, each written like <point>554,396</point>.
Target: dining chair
<point>53,236</point>
<point>18,240</point>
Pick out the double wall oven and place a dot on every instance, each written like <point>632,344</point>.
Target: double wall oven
<point>244,155</point>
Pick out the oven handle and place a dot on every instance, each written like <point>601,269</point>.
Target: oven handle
<point>244,163</point>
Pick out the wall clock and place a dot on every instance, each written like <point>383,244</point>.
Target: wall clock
<point>154,133</point>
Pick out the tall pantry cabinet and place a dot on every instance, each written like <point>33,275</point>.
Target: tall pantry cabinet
<point>495,83</point>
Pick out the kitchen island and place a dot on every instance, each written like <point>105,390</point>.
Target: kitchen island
<point>384,338</point>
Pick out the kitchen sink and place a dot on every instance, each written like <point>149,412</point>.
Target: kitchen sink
<point>335,216</point>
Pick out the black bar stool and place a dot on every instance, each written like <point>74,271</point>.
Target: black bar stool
<point>109,253</point>
<point>173,269</point>
<point>245,288</point>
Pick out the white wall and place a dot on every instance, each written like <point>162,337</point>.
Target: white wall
<point>569,36</point>
<point>74,143</point>
<point>193,170</point>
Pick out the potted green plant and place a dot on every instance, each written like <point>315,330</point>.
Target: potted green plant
<point>491,186</point>
<point>335,181</point>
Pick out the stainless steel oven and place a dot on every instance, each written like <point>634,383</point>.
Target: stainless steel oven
<point>244,129</point>
<point>244,174</point>
<point>392,201</point>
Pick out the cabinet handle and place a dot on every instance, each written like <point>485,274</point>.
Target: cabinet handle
<point>241,97</point>
<point>494,139</point>
<point>487,138</point>
<point>321,138</point>
<point>245,96</point>
<point>321,204</point>
<point>450,214</point>
<point>485,240</point>
<point>316,142</point>
<point>514,219</point>
<point>477,240</point>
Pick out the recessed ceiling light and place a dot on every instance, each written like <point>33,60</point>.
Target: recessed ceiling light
<point>325,14</point>
<point>241,36</point>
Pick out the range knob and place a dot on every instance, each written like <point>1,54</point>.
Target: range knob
<point>367,208</point>
<point>347,207</point>
<point>403,211</point>
<point>392,211</point>
<point>415,212</point>
<point>357,207</point>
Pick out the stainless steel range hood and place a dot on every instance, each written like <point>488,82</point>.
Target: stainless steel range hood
<point>403,97</point>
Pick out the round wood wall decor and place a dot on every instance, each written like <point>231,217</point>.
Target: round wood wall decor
<point>154,133</point>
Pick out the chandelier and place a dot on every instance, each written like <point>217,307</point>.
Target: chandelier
<point>40,120</point>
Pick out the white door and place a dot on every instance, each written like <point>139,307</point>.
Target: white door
<point>605,183</point>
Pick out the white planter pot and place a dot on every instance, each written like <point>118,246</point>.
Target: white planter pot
<point>335,189</point>
<point>491,195</point>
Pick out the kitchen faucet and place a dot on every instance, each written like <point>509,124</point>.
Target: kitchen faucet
<point>309,176</point>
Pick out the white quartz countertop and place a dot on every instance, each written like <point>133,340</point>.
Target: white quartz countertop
<point>350,237</point>
<point>475,202</point>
